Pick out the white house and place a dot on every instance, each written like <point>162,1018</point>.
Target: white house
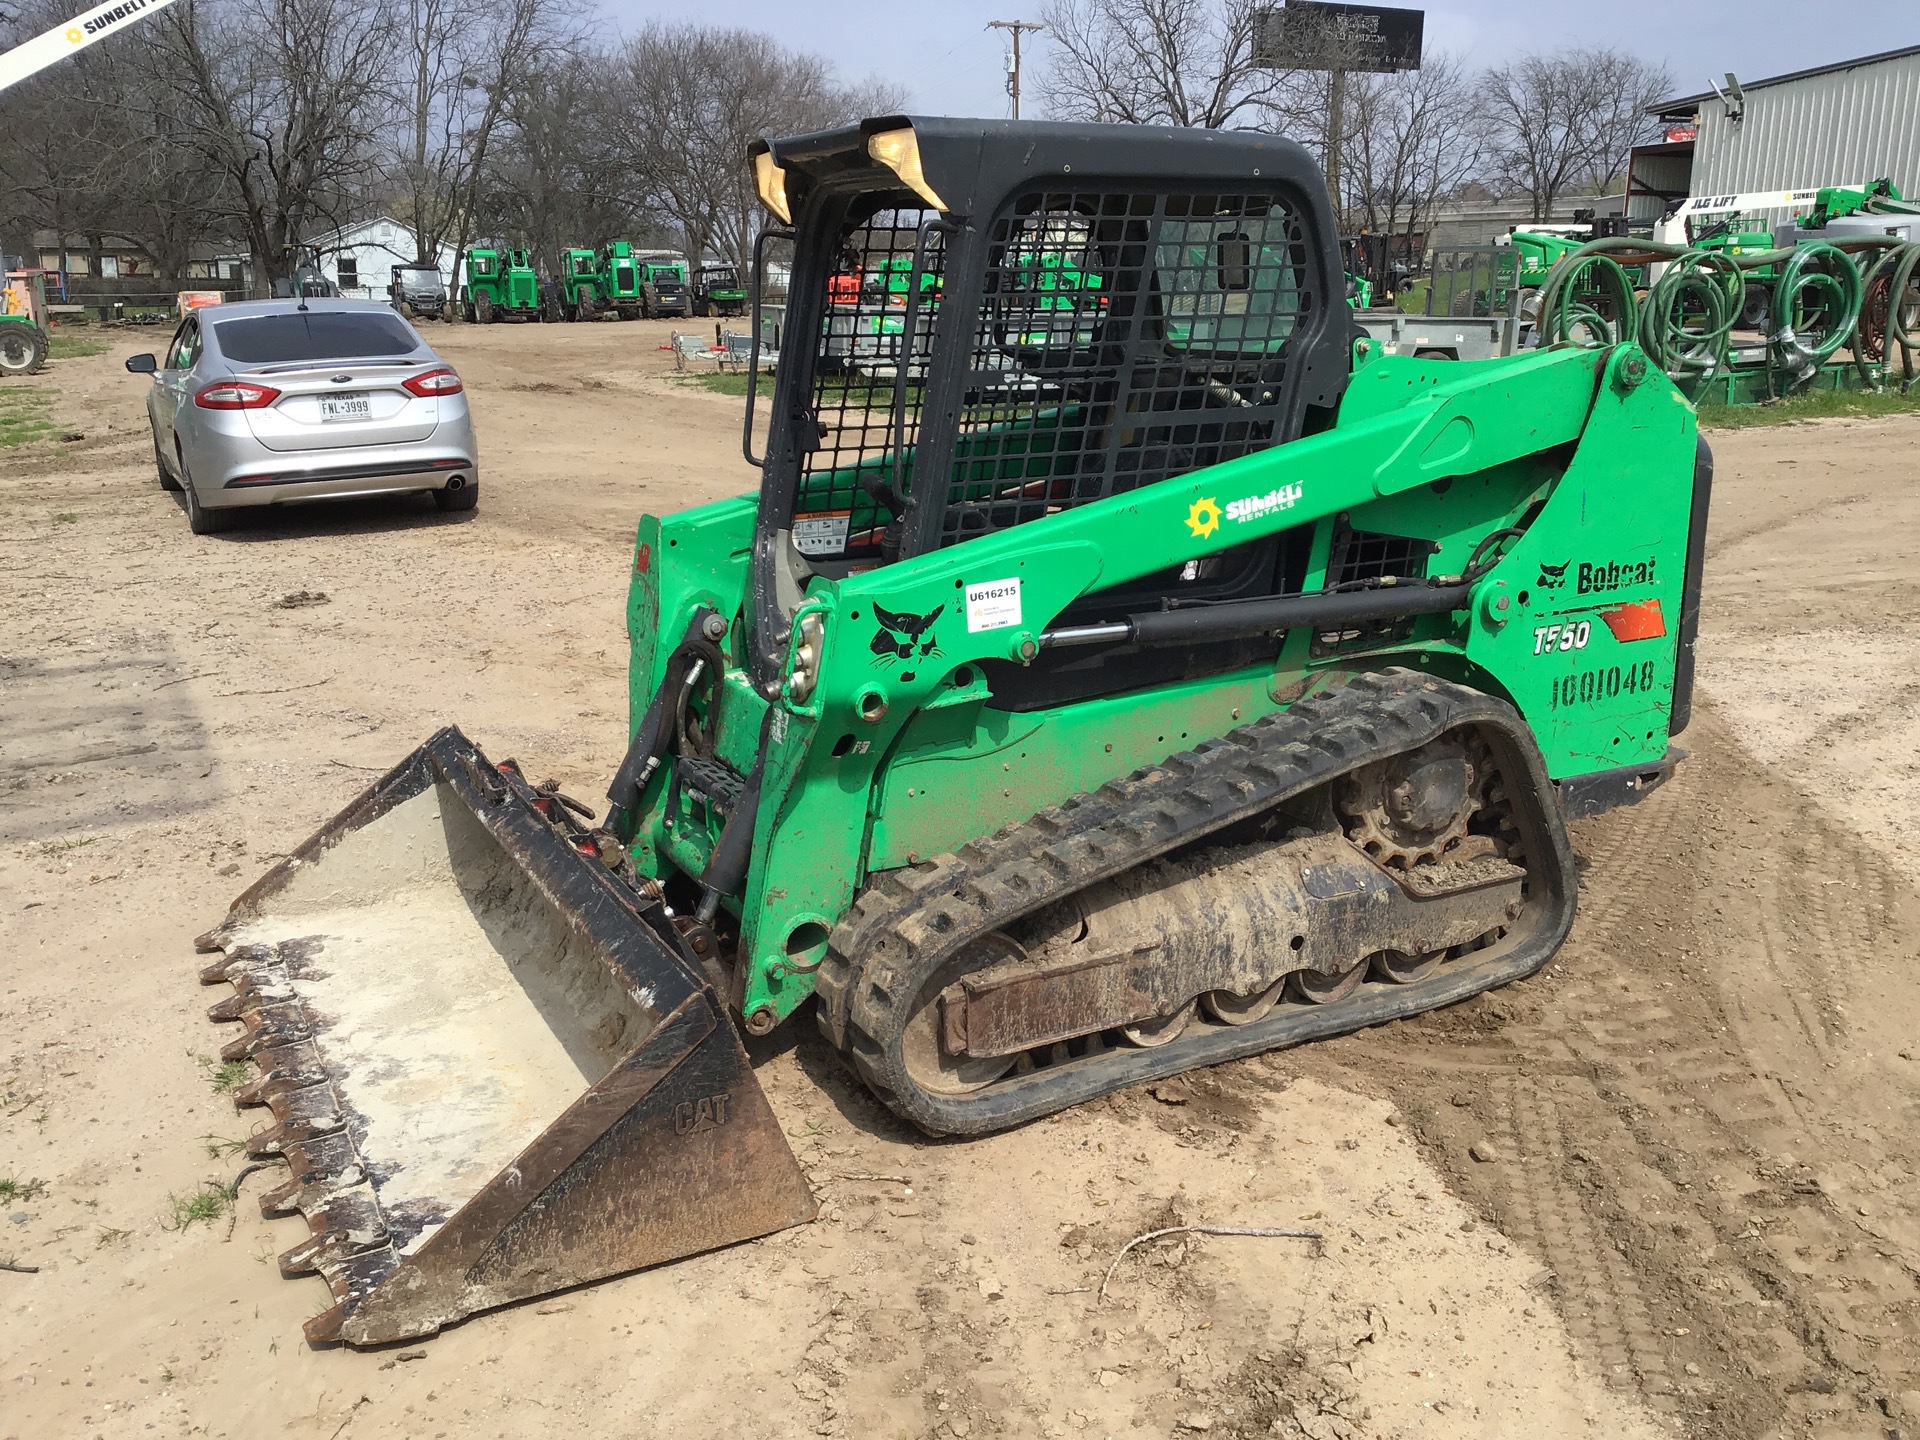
<point>360,258</point>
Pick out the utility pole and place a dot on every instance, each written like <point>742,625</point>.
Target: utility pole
<point>1013,73</point>
<point>1336,136</point>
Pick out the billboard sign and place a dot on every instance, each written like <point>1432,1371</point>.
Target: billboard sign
<point>1310,35</point>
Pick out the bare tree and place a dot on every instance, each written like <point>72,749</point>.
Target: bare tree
<point>691,101</point>
<point>1566,121</point>
<point>464,65</point>
<point>282,99</point>
<point>95,147</point>
<point>1416,136</point>
<point>554,177</point>
<point>1159,62</point>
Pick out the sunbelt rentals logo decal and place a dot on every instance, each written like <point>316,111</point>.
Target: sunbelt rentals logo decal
<point>1283,497</point>
<point>1205,515</point>
<point>103,20</point>
<point>73,34</point>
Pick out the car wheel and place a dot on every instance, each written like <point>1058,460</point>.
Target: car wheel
<point>167,482</point>
<point>467,497</point>
<point>200,520</point>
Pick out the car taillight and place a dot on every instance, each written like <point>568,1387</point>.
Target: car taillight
<point>435,382</point>
<point>235,395</point>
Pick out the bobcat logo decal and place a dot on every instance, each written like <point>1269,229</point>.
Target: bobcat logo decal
<point>901,637</point>
<point>1552,577</point>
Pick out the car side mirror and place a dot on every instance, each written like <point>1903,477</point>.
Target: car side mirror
<point>142,364</point>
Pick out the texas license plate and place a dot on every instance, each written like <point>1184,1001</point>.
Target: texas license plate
<point>346,407</point>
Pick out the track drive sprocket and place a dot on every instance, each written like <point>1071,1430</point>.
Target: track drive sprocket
<point>1414,807</point>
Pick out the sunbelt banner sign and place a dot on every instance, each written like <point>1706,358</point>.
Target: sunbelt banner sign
<point>68,39</point>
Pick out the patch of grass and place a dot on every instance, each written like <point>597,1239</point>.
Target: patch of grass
<point>110,1236</point>
<point>23,414</point>
<point>73,347</point>
<point>1413,299</point>
<point>221,1148</point>
<point>833,394</point>
<point>208,1203</point>
<point>61,847</point>
<point>223,1075</point>
<point>733,382</point>
<point>1820,405</point>
<point>67,517</point>
<point>21,1190</point>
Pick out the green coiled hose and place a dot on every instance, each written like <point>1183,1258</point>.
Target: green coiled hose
<point>1581,291</point>
<point>1686,319</point>
<point>1893,275</point>
<point>1818,296</point>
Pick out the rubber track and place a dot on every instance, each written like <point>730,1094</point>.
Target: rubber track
<point>909,922</point>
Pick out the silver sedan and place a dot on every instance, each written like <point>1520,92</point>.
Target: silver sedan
<point>268,402</point>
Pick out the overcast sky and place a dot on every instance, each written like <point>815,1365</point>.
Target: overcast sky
<point>953,66</point>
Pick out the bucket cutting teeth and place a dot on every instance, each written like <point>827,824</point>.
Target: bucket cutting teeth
<point>489,1076</point>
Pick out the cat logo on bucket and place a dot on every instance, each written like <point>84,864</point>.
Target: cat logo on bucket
<point>707,1113</point>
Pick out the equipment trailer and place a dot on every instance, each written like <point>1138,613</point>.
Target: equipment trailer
<point>1193,680</point>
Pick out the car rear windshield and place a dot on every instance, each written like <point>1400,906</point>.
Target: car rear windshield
<point>314,335</point>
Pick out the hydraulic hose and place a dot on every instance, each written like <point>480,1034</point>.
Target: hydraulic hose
<point>1581,291</point>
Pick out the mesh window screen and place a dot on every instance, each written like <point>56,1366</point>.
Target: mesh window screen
<point>1124,337</point>
<point>867,382</point>
<point>1355,559</point>
<point>1356,556</point>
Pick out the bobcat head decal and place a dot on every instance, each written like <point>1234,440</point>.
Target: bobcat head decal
<point>901,637</point>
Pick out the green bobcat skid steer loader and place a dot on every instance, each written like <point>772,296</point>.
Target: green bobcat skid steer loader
<point>1133,686</point>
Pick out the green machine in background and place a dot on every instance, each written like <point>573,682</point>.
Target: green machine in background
<point>717,290</point>
<point>663,284</point>
<point>623,281</point>
<point>1735,236</point>
<point>1155,673</point>
<point>23,322</point>
<point>500,285</point>
<point>577,291</point>
<point>1838,202</point>
<point>1537,248</point>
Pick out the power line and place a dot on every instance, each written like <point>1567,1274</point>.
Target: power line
<point>1013,71</point>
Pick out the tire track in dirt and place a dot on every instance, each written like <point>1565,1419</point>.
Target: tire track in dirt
<point>1600,1298</point>
<point>1758,1105</point>
<point>1682,1130</point>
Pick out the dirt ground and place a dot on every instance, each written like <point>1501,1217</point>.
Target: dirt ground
<point>1702,1216</point>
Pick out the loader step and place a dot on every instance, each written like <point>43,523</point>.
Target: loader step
<point>914,932</point>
